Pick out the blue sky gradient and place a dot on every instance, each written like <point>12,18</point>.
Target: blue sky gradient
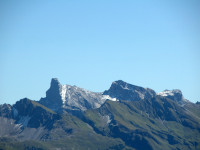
<point>90,44</point>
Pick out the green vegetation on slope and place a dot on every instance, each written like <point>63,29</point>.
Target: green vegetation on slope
<point>144,124</point>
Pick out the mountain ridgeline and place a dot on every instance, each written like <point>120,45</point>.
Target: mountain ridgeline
<point>125,117</point>
<point>65,97</point>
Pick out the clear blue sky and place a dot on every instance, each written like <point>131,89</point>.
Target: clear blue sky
<point>90,44</point>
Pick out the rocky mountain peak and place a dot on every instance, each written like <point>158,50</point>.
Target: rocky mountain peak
<point>124,91</point>
<point>119,82</point>
<point>6,110</point>
<point>174,94</point>
<point>66,97</point>
<point>54,90</point>
<point>23,107</point>
<point>55,82</point>
<point>53,98</point>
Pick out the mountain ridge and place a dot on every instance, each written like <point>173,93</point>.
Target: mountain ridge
<point>125,116</point>
<point>66,97</point>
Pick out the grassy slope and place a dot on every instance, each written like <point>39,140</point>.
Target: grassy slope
<point>68,133</point>
<point>131,124</point>
<point>76,134</point>
<point>36,104</point>
<point>129,119</point>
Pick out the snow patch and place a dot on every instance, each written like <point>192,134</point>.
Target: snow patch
<point>63,93</point>
<point>109,98</point>
<point>97,105</point>
<point>108,119</point>
<point>125,87</point>
<point>114,82</point>
<point>166,93</point>
<point>140,94</point>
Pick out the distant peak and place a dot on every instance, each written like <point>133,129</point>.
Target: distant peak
<point>170,92</point>
<point>124,91</point>
<point>25,100</point>
<point>174,91</point>
<point>177,91</point>
<point>120,83</point>
<point>54,82</point>
<point>126,86</point>
<point>174,94</point>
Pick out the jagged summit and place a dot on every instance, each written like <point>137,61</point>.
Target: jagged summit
<point>174,94</point>
<point>66,97</point>
<point>5,110</point>
<point>121,82</point>
<point>54,81</point>
<point>170,92</point>
<point>124,91</point>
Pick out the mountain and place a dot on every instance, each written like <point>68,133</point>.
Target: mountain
<point>125,91</point>
<point>175,95</point>
<point>157,123</point>
<point>125,116</point>
<point>30,125</point>
<point>26,120</point>
<point>66,97</point>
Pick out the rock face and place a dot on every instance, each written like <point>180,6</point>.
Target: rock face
<point>6,110</point>
<point>26,120</point>
<point>32,114</point>
<point>175,95</point>
<point>53,98</point>
<point>125,91</point>
<point>61,97</point>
